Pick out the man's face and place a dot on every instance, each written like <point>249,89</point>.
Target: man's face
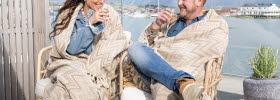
<point>94,4</point>
<point>187,7</point>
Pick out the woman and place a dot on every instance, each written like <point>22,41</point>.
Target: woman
<point>88,24</point>
<point>87,38</point>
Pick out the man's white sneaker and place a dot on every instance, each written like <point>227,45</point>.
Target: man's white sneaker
<point>189,89</point>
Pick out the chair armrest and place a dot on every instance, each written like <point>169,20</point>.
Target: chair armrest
<point>39,61</point>
<point>213,77</point>
<point>121,71</point>
<point>119,76</point>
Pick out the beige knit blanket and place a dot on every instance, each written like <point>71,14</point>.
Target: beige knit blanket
<point>83,77</point>
<point>188,51</point>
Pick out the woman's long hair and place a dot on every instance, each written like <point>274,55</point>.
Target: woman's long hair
<point>64,20</point>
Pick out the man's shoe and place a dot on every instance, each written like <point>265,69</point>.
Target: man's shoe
<point>189,89</point>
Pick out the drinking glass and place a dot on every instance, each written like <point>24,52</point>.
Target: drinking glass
<point>173,13</point>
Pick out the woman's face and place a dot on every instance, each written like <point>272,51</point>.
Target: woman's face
<point>94,4</point>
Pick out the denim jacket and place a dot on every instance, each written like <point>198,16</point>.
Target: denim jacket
<point>82,37</point>
<point>181,24</point>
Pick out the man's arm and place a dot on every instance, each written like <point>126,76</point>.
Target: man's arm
<point>153,29</point>
<point>151,34</point>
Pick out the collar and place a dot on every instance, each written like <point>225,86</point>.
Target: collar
<point>81,15</point>
<point>196,19</point>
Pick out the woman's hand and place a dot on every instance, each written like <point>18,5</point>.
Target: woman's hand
<point>164,17</point>
<point>99,16</point>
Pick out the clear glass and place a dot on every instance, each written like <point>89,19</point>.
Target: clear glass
<point>174,13</point>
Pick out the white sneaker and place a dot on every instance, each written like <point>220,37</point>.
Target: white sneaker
<point>189,89</point>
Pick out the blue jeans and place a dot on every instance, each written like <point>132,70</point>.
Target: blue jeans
<point>149,65</point>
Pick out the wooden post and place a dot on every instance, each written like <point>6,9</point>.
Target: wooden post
<point>12,52</point>
<point>2,77</point>
<point>6,50</point>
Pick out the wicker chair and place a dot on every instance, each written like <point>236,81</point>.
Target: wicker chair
<point>42,72</point>
<point>211,79</point>
<point>212,73</point>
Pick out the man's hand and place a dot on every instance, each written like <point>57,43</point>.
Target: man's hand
<point>99,16</point>
<point>164,17</point>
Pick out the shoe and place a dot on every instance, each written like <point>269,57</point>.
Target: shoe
<point>189,89</point>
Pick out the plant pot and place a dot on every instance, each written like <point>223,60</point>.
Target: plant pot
<point>261,88</point>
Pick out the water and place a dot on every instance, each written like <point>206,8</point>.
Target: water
<point>245,36</point>
<point>136,25</point>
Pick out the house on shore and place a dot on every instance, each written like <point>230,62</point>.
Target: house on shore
<point>259,10</point>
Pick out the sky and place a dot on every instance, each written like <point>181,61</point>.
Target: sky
<point>173,3</point>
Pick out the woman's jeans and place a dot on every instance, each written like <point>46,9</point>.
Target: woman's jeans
<point>149,65</point>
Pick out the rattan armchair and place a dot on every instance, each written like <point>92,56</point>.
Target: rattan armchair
<point>42,71</point>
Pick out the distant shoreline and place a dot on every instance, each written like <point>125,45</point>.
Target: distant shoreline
<point>254,17</point>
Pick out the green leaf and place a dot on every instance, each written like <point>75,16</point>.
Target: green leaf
<point>265,63</point>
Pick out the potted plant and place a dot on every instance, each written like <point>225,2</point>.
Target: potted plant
<point>264,84</point>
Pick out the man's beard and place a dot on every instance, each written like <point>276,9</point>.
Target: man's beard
<point>184,13</point>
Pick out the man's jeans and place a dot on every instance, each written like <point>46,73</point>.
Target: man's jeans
<point>149,65</point>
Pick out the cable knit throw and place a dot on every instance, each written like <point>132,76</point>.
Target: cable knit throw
<point>83,77</point>
<point>188,51</point>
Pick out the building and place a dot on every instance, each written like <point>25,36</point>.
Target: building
<point>223,12</point>
<point>259,10</point>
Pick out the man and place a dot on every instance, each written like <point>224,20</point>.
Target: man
<point>177,50</point>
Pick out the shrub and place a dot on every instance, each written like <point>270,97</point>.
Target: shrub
<point>265,63</point>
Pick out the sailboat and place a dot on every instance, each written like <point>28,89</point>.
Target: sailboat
<point>139,15</point>
<point>158,9</point>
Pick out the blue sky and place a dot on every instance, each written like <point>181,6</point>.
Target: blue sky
<point>228,3</point>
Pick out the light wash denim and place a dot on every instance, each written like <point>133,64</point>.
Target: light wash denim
<point>83,35</point>
<point>151,66</point>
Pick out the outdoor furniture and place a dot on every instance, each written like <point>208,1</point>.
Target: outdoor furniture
<point>212,77</point>
<point>42,72</point>
<point>212,73</point>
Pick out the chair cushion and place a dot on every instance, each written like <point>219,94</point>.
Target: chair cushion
<point>40,87</point>
<point>132,93</point>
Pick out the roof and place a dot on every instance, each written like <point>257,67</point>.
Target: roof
<point>257,5</point>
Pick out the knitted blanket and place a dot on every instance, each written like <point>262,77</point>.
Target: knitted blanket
<point>85,77</point>
<point>188,51</point>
